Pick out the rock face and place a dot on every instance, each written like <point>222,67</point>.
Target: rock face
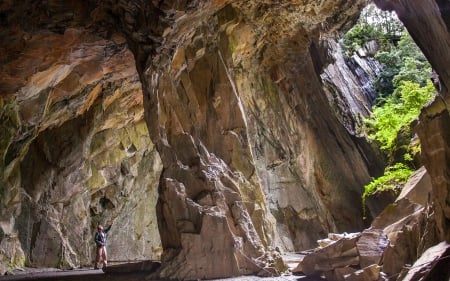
<point>433,128</point>
<point>240,103</point>
<point>235,106</point>
<point>75,150</point>
<point>349,85</point>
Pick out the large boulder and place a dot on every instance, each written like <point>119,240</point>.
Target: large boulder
<point>397,237</point>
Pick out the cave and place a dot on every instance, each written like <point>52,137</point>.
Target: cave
<point>212,135</point>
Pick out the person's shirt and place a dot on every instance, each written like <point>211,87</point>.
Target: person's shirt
<point>100,237</point>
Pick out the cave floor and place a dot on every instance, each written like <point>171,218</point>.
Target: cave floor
<point>89,274</point>
<point>76,275</point>
<point>98,275</point>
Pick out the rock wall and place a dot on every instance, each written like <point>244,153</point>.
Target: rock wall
<point>433,129</point>
<point>255,153</point>
<point>235,106</point>
<point>75,149</point>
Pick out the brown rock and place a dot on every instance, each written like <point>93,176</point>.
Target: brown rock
<point>371,246</point>
<point>338,254</point>
<point>418,187</point>
<point>338,274</point>
<point>370,273</point>
<point>75,152</point>
<point>433,264</point>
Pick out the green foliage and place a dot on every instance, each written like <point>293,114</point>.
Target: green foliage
<point>373,25</point>
<point>393,179</point>
<point>403,87</point>
<point>403,62</point>
<point>358,36</point>
<point>397,112</point>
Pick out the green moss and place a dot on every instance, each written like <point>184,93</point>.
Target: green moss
<point>19,260</point>
<point>393,179</point>
<point>232,43</point>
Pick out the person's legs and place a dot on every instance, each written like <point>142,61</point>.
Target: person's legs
<point>97,257</point>
<point>104,257</point>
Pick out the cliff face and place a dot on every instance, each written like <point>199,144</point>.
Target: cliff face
<point>240,103</point>
<point>235,106</point>
<point>74,147</point>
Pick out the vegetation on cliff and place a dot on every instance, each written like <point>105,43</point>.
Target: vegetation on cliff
<point>404,87</point>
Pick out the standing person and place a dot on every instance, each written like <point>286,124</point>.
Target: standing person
<point>100,241</point>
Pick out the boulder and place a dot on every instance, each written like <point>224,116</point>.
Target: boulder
<point>371,246</point>
<point>370,273</point>
<point>337,254</point>
<point>418,187</point>
<point>434,264</point>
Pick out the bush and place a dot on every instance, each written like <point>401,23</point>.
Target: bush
<point>358,36</point>
<point>393,179</point>
<point>397,112</point>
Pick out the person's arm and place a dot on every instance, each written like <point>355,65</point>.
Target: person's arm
<point>108,228</point>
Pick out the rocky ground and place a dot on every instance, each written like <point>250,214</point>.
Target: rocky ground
<point>133,272</point>
<point>98,275</point>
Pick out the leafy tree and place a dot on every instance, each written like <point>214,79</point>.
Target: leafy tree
<point>404,62</point>
<point>373,25</point>
<point>359,35</point>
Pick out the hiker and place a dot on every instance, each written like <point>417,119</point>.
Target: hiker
<point>100,241</point>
